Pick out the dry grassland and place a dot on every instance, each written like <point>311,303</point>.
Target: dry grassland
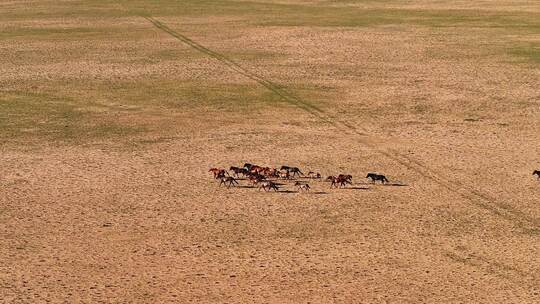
<point>112,112</point>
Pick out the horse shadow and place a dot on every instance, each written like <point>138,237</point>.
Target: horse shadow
<point>306,192</point>
<point>287,191</point>
<point>392,184</point>
<point>395,185</point>
<point>356,188</point>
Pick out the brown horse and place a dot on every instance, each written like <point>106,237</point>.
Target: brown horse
<point>270,172</point>
<point>218,173</point>
<point>339,181</point>
<point>256,169</point>
<point>537,172</point>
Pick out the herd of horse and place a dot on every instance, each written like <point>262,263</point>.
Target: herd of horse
<point>266,178</point>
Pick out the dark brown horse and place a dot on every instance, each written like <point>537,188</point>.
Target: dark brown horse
<point>346,177</point>
<point>228,181</point>
<point>537,172</point>
<point>339,181</point>
<point>295,171</point>
<point>237,171</point>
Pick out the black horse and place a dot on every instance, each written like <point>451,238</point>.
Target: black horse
<point>293,171</point>
<point>375,177</point>
<point>537,173</point>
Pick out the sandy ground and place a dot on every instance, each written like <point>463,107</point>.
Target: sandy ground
<point>138,218</point>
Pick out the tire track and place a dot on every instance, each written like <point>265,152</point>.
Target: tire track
<point>274,87</point>
<point>521,221</point>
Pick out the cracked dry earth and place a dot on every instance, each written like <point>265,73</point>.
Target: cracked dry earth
<point>110,125</point>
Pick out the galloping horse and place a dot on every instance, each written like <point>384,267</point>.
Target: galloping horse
<point>340,181</point>
<point>256,169</point>
<point>237,171</point>
<point>346,177</point>
<point>375,177</point>
<point>255,178</point>
<point>228,181</point>
<point>218,173</point>
<point>268,185</point>
<point>302,186</point>
<point>270,172</point>
<point>295,171</point>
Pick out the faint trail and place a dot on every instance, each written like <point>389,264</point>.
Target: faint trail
<point>241,70</point>
<point>479,199</point>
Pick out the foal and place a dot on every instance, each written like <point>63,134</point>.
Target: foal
<point>302,186</point>
<point>268,185</point>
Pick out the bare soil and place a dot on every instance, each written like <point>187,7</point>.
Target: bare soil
<point>112,114</point>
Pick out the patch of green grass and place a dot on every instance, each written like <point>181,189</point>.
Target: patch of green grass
<point>327,14</point>
<point>281,14</point>
<point>252,55</point>
<point>47,9</point>
<point>529,53</point>
<point>53,33</point>
<point>359,17</point>
<point>40,116</point>
<point>192,95</point>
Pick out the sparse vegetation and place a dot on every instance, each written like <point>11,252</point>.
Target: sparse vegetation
<point>112,112</point>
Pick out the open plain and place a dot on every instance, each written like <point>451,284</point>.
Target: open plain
<point>112,112</point>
